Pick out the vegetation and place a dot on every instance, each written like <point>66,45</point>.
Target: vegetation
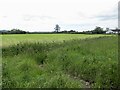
<point>14,31</point>
<point>62,64</point>
<point>13,39</point>
<point>97,30</point>
<point>57,28</point>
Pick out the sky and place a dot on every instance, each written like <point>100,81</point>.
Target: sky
<point>43,15</point>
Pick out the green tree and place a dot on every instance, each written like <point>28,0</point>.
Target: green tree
<point>98,30</point>
<point>17,31</point>
<point>57,28</point>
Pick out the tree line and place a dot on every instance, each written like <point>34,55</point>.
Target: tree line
<point>97,30</point>
<point>13,31</point>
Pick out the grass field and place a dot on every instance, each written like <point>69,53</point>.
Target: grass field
<point>13,39</point>
<point>62,61</point>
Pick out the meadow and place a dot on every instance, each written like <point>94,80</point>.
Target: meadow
<point>60,61</point>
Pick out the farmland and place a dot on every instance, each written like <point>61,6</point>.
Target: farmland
<point>60,61</point>
<point>13,39</point>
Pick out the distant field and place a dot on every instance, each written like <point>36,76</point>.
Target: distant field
<point>12,39</point>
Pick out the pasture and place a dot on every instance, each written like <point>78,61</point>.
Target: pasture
<point>60,61</point>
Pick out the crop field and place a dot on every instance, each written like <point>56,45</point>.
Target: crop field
<point>60,61</point>
<point>13,39</point>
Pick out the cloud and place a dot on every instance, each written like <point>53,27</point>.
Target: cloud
<point>36,17</point>
<point>4,16</point>
<point>107,17</point>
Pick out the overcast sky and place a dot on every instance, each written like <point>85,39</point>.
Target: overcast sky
<point>43,15</point>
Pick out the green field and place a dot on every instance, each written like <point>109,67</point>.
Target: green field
<point>13,39</point>
<point>60,61</point>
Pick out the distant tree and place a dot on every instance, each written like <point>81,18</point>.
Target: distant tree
<point>71,31</point>
<point>65,31</point>
<point>87,32</point>
<point>57,28</point>
<point>98,30</point>
<point>17,31</point>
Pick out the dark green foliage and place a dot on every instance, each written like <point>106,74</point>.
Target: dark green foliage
<point>98,30</point>
<point>14,31</point>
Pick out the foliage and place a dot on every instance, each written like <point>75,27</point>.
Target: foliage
<point>14,31</point>
<point>57,28</point>
<point>98,30</point>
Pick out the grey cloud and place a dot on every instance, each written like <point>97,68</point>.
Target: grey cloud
<point>107,17</point>
<point>36,17</point>
<point>4,16</point>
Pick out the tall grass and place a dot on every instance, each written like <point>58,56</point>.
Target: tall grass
<point>62,65</point>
